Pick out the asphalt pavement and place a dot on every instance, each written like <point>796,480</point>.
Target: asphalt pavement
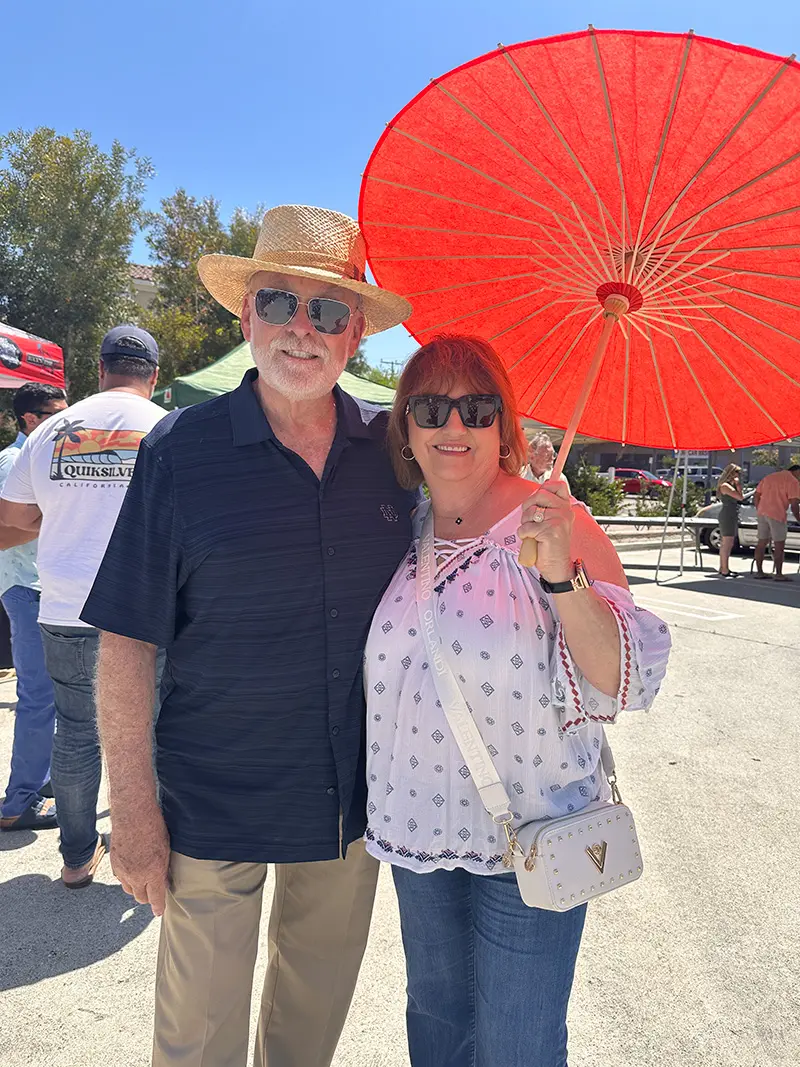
<point>695,965</point>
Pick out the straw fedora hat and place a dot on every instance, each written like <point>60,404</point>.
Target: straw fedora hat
<point>305,242</point>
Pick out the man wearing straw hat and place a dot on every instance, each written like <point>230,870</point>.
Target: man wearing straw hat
<point>258,534</point>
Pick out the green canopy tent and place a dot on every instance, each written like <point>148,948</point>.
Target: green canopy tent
<point>227,372</point>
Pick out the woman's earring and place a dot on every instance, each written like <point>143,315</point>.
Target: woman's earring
<point>410,456</point>
<point>506,454</point>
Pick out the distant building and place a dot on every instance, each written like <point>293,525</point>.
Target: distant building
<point>605,454</point>
<point>144,286</point>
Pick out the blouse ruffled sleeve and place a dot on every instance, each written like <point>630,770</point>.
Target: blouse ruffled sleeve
<point>644,651</point>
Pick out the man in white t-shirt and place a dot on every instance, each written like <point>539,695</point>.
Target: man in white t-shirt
<point>69,483</point>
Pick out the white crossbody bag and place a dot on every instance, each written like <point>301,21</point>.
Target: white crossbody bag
<point>560,863</point>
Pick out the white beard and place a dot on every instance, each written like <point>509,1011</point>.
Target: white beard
<point>290,375</point>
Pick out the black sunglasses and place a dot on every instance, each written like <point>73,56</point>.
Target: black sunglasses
<point>477,410</point>
<point>277,307</point>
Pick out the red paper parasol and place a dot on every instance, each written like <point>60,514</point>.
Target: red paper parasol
<point>639,191</point>
<point>26,358</point>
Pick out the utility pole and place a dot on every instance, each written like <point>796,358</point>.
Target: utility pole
<point>391,364</point>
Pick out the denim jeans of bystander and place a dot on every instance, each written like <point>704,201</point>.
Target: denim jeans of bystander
<point>71,658</point>
<point>489,978</point>
<point>35,716</point>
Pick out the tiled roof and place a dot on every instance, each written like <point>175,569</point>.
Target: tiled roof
<point>141,272</point>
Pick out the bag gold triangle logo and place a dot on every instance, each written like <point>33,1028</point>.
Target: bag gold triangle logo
<point>597,854</point>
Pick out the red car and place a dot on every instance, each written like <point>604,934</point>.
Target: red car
<point>637,481</point>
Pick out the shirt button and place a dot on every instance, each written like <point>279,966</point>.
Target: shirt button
<point>335,731</point>
<point>335,673</point>
<point>334,613</point>
<point>331,790</point>
<point>331,551</point>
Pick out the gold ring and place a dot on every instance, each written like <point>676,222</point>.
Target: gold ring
<point>538,514</point>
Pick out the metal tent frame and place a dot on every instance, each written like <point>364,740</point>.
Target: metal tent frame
<point>682,528</point>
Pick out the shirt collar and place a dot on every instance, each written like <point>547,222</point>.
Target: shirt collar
<point>251,425</point>
<point>20,439</point>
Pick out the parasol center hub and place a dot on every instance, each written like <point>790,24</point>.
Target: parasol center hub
<point>618,298</point>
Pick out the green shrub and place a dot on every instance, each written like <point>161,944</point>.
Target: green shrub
<point>603,496</point>
<point>695,498</point>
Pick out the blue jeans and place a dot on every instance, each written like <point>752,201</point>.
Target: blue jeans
<point>70,653</point>
<point>489,979</point>
<point>35,718</point>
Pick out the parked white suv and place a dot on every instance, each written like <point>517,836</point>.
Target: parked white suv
<point>697,476</point>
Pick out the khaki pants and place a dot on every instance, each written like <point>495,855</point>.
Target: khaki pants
<point>209,938</point>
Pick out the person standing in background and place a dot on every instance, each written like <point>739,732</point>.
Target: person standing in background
<point>71,477</point>
<point>774,496</point>
<point>729,491</point>
<point>541,457</point>
<point>28,803</point>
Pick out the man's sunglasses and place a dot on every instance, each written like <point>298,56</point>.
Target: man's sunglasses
<point>477,410</point>
<point>277,307</point>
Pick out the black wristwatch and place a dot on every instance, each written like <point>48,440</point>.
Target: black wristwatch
<point>580,581</point>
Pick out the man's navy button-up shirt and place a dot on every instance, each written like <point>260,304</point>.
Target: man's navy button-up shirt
<point>260,581</point>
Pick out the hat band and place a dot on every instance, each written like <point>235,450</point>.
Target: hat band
<point>340,267</point>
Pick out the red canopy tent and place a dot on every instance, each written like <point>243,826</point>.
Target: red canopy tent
<point>27,358</point>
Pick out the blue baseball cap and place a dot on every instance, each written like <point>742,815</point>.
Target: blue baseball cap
<point>129,342</point>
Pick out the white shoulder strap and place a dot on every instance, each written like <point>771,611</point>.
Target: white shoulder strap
<point>459,718</point>
<point>468,738</point>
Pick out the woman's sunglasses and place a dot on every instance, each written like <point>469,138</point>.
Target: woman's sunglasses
<point>277,307</point>
<point>477,410</point>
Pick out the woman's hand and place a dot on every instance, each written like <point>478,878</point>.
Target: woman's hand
<point>548,518</point>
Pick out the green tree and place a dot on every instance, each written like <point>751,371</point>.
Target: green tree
<point>766,457</point>
<point>383,377</point>
<point>357,364</point>
<point>68,215</point>
<point>191,328</point>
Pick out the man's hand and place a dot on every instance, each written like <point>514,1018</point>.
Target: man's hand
<point>140,858</point>
<point>548,518</point>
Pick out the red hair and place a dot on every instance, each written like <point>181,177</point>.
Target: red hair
<point>435,368</point>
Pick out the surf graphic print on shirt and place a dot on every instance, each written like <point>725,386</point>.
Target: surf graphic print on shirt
<point>83,454</point>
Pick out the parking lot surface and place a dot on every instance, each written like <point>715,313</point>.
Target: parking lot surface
<point>696,965</point>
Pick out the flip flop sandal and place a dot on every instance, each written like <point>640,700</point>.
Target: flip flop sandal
<point>89,869</point>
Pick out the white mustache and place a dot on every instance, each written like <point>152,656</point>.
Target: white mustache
<point>290,342</point>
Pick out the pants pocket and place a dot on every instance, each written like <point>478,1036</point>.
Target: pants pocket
<point>67,658</point>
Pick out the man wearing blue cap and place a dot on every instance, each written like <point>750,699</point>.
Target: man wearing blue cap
<point>69,483</point>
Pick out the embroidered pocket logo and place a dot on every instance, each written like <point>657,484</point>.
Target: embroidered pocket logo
<point>389,513</point>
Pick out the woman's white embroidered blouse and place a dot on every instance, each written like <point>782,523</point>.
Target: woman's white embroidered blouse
<point>541,720</point>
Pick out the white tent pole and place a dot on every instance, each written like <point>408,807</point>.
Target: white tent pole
<point>683,504</point>
<point>666,517</point>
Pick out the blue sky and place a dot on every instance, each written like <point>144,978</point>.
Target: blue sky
<point>282,102</point>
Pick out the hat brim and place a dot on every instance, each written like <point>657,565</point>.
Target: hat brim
<point>227,279</point>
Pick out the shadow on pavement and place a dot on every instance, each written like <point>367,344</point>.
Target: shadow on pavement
<point>767,591</point>
<point>10,842</point>
<point>49,930</point>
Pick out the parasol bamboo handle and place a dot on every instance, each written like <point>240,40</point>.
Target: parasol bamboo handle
<point>615,306</point>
